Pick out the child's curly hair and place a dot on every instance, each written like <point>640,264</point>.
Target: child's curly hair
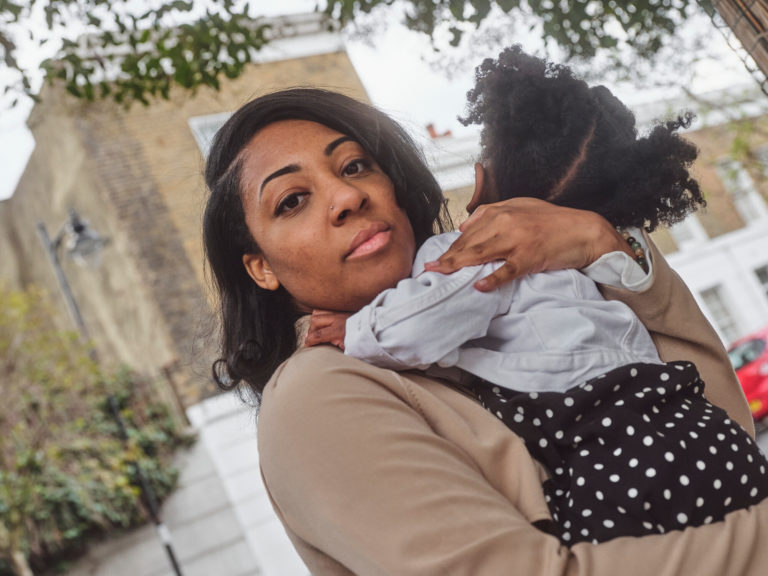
<point>547,134</point>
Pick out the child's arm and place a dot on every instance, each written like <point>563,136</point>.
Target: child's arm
<point>425,319</point>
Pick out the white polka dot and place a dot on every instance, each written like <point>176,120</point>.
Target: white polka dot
<point>496,390</point>
<point>566,536</point>
<point>682,518</point>
<point>584,532</point>
<point>621,510</point>
<point>568,401</point>
<point>630,430</point>
<point>549,413</point>
<point>633,372</point>
<point>734,448</point>
<point>606,422</point>
<point>647,525</point>
<point>517,418</point>
<point>619,403</point>
<point>717,484</point>
<point>533,395</point>
<point>599,495</point>
<point>633,462</point>
<point>667,494</point>
<point>614,478</point>
<point>678,415</point>
<point>693,434</point>
<point>576,439</point>
<point>700,465</point>
<point>640,395</point>
<point>647,440</point>
<point>728,501</point>
<point>580,481</point>
<point>599,466</point>
<point>536,422</point>
<point>584,452</point>
<point>617,452</point>
<point>721,436</point>
<point>608,523</point>
<point>632,492</point>
<point>664,377</point>
<point>708,520</point>
<point>729,465</point>
<point>558,471</point>
<point>669,457</point>
<point>753,492</point>
<point>587,513</point>
<point>699,502</point>
<point>744,478</point>
<point>543,442</point>
<point>559,434</point>
<point>684,480</point>
<point>650,472</point>
<point>712,450</point>
<point>646,506</point>
<point>661,391</point>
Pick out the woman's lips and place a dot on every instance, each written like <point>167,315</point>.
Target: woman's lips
<point>369,240</point>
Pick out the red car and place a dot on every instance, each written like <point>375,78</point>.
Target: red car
<point>749,356</point>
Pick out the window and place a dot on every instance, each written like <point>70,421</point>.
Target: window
<point>762,277</point>
<point>740,186</point>
<point>689,233</point>
<point>204,129</point>
<point>714,302</point>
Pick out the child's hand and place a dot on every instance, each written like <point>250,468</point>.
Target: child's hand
<point>327,328</point>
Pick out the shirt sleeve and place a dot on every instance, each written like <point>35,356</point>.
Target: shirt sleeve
<point>619,270</point>
<point>424,320</point>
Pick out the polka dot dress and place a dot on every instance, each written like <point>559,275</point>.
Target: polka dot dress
<point>635,451</point>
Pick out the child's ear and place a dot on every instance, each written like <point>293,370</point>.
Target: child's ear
<point>479,197</point>
<point>259,269</point>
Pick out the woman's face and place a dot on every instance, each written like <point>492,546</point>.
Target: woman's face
<point>324,216</point>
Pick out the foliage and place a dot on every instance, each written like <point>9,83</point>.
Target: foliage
<point>65,473</point>
<point>581,27</point>
<point>112,49</point>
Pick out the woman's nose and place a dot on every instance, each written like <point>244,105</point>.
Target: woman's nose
<point>346,200</point>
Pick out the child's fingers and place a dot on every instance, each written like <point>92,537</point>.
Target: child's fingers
<point>322,335</point>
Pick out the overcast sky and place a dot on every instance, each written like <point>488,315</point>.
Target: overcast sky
<point>399,80</point>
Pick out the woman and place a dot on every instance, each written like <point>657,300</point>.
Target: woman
<point>314,197</point>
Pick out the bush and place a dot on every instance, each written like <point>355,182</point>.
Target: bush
<point>66,475</point>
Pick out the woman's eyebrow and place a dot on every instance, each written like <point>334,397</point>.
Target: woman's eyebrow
<point>336,143</point>
<point>290,169</point>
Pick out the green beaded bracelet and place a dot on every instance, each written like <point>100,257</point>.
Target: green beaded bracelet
<point>636,247</point>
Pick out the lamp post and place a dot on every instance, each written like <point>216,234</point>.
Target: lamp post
<point>84,245</point>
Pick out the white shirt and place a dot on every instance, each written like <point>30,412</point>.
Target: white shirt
<point>542,332</point>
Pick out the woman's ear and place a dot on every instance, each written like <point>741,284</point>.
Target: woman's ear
<point>259,269</point>
<point>479,197</point>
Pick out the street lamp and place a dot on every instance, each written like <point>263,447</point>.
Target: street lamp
<point>84,245</point>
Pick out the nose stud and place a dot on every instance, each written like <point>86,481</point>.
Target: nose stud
<point>331,207</point>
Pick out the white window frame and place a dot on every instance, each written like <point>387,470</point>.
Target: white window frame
<point>204,128</point>
<point>719,312</point>
<point>689,233</point>
<point>742,190</point>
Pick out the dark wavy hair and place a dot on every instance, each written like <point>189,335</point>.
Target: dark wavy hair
<point>257,325</point>
<point>547,134</point>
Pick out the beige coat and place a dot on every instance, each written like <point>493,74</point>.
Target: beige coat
<point>374,472</point>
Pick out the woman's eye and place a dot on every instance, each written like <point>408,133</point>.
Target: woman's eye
<point>290,203</point>
<point>356,167</point>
